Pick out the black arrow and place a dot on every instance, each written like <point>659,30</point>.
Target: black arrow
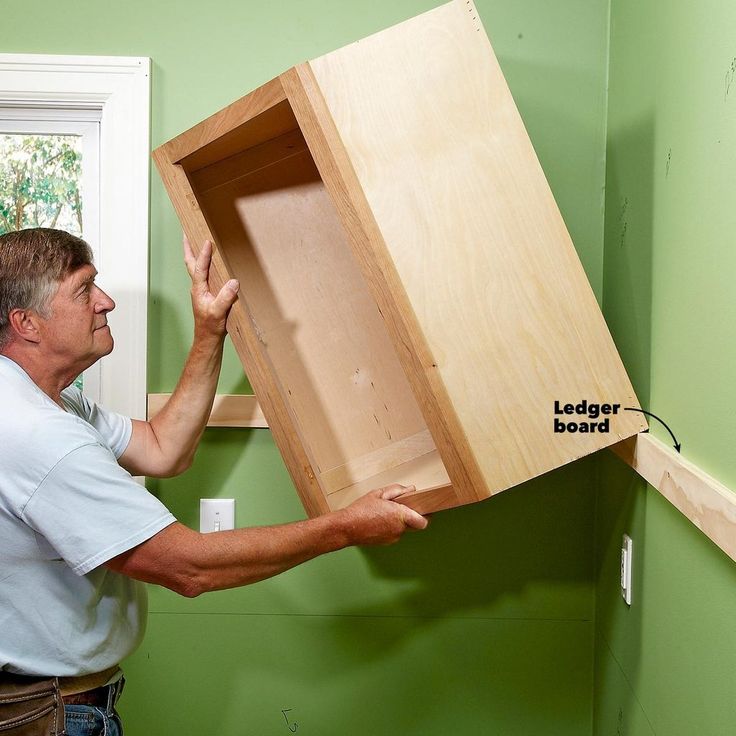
<point>648,413</point>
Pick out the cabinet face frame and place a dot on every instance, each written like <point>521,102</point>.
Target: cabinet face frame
<point>254,132</point>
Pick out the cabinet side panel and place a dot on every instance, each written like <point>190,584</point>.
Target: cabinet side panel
<point>476,239</point>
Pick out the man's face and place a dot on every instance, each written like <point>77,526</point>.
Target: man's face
<point>76,334</point>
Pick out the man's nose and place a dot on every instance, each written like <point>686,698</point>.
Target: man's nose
<point>104,303</point>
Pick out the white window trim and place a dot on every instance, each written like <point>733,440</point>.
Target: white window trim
<point>119,87</point>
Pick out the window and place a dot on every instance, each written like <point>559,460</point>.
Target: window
<point>50,177</point>
<point>103,102</point>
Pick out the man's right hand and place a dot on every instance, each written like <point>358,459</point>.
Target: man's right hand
<point>377,518</point>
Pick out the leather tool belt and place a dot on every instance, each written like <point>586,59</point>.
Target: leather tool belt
<point>30,706</point>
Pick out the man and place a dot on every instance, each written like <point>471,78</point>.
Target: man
<point>78,534</point>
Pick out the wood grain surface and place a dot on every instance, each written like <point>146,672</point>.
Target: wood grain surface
<point>709,504</point>
<point>473,233</point>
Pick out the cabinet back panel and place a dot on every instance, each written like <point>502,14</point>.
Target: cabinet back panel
<point>280,235</point>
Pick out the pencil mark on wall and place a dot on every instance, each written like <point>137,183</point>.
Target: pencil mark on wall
<point>623,221</point>
<point>730,76</point>
<point>669,158</point>
<point>292,726</point>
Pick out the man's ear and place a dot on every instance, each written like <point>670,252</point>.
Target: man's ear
<point>24,324</point>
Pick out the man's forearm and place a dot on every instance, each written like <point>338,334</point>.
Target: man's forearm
<point>191,563</point>
<point>178,427</point>
<point>254,554</point>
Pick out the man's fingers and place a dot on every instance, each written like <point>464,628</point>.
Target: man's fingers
<point>227,296</point>
<point>394,491</point>
<point>189,258</point>
<point>413,519</point>
<point>202,264</point>
<point>198,266</point>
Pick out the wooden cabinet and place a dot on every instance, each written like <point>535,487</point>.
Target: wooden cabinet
<point>411,303</point>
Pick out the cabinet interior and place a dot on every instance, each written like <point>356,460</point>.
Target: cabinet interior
<point>316,322</point>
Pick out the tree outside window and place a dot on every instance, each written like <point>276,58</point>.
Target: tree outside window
<point>40,179</point>
<point>40,182</point>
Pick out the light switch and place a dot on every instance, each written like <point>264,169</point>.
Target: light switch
<point>216,514</point>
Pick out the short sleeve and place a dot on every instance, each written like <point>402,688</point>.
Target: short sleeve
<point>115,429</point>
<point>90,509</point>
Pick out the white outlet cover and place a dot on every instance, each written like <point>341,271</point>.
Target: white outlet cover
<point>627,552</point>
<point>216,514</point>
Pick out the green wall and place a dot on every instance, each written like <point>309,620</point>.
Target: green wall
<point>502,618</point>
<point>666,666</point>
<point>483,623</point>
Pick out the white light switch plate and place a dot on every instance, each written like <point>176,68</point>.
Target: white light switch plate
<point>216,514</point>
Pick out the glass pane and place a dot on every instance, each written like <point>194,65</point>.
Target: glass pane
<point>40,182</point>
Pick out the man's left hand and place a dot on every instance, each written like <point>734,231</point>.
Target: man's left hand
<point>210,312</point>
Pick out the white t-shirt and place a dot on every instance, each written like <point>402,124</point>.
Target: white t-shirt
<point>66,507</point>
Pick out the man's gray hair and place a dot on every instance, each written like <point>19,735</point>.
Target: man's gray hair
<point>32,264</point>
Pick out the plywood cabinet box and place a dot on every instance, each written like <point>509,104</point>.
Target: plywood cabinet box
<point>411,304</point>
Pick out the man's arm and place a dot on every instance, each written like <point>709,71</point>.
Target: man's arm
<point>191,563</point>
<point>165,445</point>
